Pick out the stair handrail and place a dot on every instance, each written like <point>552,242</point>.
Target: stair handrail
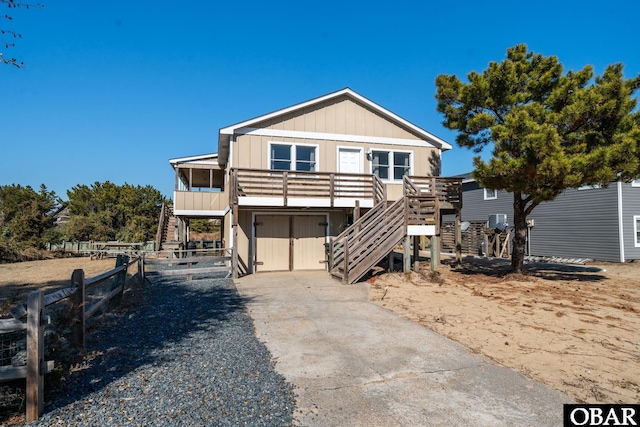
<point>356,249</point>
<point>161,225</point>
<point>409,188</point>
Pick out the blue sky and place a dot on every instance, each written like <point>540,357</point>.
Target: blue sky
<point>113,90</point>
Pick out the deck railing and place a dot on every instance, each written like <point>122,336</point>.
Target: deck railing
<point>288,186</point>
<point>446,190</point>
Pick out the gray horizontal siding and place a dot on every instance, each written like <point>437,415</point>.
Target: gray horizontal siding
<point>475,208</point>
<point>577,224</point>
<point>630,207</point>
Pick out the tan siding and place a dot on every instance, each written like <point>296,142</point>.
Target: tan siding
<point>343,116</point>
<point>194,200</point>
<point>394,191</point>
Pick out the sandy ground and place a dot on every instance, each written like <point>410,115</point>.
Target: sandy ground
<point>575,328</point>
<point>18,279</point>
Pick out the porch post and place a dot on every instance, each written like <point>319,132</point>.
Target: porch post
<point>234,248</point>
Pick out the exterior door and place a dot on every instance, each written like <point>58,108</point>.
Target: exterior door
<point>308,242</point>
<point>288,242</point>
<point>272,242</point>
<point>349,160</point>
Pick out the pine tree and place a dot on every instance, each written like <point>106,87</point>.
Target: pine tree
<point>550,130</point>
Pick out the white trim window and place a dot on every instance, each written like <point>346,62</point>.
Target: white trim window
<point>391,165</point>
<point>635,183</point>
<point>636,230</point>
<point>293,157</point>
<point>590,187</point>
<point>490,194</point>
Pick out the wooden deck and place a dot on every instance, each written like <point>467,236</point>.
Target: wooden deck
<point>262,187</point>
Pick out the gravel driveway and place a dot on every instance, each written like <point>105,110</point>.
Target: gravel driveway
<point>186,355</point>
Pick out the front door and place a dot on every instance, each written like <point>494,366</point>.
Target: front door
<point>349,160</point>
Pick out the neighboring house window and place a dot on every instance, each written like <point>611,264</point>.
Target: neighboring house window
<point>391,165</point>
<point>636,230</point>
<point>490,194</point>
<point>635,183</point>
<point>294,157</point>
<point>589,187</point>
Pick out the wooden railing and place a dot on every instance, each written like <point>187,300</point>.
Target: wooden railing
<point>162,224</point>
<point>446,190</point>
<point>319,186</point>
<point>182,262</point>
<point>368,240</point>
<point>82,308</point>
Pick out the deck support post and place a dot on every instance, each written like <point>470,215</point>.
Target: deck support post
<point>406,256</point>
<point>416,253</point>
<point>234,249</point>
<point>435,252</point>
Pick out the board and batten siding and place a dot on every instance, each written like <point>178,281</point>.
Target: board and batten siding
<point>342,115</point>
<point>577,224</point>
<point>630,208</point>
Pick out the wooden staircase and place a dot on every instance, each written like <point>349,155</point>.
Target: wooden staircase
<point>166,238</point>
<point>376,234</point>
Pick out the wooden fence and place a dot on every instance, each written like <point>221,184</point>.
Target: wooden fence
<point>184,262</point>
<point>92,247</point>
<point>472,237</point>
<point>82,309</point>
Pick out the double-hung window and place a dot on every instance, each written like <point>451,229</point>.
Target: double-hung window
<point>636,230</point>
<point>390,165</point>
<point>293,157</point>
<point>490,194</point>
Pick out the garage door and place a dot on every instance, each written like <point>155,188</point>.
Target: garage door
<point>289,242</point>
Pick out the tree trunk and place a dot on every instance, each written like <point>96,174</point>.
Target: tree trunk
<point>520,233</point>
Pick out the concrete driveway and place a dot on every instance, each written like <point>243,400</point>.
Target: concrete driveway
<point>354,363</point>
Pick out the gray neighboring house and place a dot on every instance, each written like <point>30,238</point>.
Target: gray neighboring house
<point>588,222</point>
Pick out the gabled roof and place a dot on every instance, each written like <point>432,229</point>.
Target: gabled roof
<point>224,136</point>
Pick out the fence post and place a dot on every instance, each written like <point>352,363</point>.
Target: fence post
<point>77,301</point>
<point>121,278</point>
<point>35,356</point>
<point>141,267</point>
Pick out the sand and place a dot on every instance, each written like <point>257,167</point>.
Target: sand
<point>576,329</point>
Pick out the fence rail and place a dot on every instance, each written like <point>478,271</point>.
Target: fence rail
<point>107,248</point>
<point>183,262</point>
<point>33,311</point>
